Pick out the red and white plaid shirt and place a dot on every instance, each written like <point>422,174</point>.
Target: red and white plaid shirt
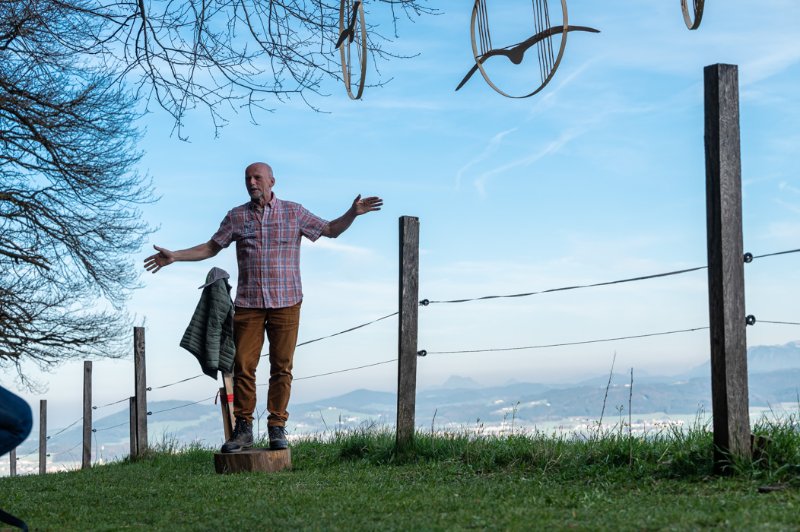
<point>268,250</point>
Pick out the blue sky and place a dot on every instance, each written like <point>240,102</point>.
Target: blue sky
<point>598,177</point>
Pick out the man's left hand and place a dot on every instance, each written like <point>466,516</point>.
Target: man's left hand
<point>363,206</point>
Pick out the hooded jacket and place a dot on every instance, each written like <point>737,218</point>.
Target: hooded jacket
<point>209,336</point>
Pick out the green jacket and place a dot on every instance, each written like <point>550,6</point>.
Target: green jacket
<point>209,336</point>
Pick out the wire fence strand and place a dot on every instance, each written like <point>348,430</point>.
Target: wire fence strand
<point>181,406</point>
<point>70,449</point>
<point>787,252</point>
<point>346,370</point>
<point>465,300</point>
<point>779,322</point>
<point>109,428</point>
<point>151,388</point>
<point>110,404</point>
<point>584,342</point>
<point>574,287</point>
<point>65,428</point>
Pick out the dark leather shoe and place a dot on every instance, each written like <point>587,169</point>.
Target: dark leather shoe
<point>277,438</point>
<point>242,437</point>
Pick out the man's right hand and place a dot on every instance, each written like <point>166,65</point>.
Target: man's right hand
<point>155,262</point>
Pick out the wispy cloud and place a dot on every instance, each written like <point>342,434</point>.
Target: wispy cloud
<point>337,247</point>
<point>488,151</point>
<point>551,147</point>
<point>550,97</point>
<point>784,186</point>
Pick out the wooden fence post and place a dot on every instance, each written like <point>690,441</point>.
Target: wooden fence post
<point>12,466</point>
<point>407,329</point>
<point>226,405</point>
<point>132,427</point>
<point>729,390</point>
<point>86,460</point>
<point>43,436</point>
<point>140,386</point>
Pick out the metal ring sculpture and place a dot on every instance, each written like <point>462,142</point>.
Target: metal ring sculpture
<point>351,14</point>
<point>543,40</point>
<point>692,20</point>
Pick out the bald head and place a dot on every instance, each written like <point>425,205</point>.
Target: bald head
<point>259,167</point>
<point>259,180</point>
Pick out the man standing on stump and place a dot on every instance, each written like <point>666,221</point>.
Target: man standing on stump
<point>267,232</point>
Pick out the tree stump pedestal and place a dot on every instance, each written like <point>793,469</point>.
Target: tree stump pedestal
<point>256,459</point>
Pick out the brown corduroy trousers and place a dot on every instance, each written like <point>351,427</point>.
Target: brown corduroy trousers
<point>281,326</point>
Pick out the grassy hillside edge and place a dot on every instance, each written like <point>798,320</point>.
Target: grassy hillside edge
<point>358,480</point>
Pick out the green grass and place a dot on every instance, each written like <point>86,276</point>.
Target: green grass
<point>358,480</point>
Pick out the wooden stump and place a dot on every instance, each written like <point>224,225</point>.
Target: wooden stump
<point>256,459</point>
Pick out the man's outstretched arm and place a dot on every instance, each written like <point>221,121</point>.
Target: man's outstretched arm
<point>165,257</point>
<point>359,207</point>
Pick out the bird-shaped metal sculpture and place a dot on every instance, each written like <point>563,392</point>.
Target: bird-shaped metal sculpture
<point>516,52</point>
<point>349,32</point>
<point>548,61</point>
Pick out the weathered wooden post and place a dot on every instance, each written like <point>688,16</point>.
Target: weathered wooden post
<point>226,404</point>
<point>407,329</point>
<point>43,436</point>
<point>729,391</point>
<point>132,418</point>
<point>140,386</point>
<point>86,461</point>
<point>12,466</point>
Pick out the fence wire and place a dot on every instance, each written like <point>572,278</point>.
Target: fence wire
<point>66,428</point>
<point>544,346</point>
<point>787,252</point>
<point>574,287</point>
<point>748,258</point>
<point>779,322</point>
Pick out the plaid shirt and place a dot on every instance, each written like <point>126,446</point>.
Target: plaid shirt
<point>268,250</point>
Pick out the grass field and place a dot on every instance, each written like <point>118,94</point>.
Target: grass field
<point>359,481</point>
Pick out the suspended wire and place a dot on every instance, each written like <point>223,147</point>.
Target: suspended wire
<point>788,252</point>
<point>150,388</point>
<point>575,287</point>
<point>109,404</point>
<point>109,428</point>
<point>27,455</point>
<point>65,428</point>
<point>266,354</point>
<point>482,12</point>
<point>70,449</point>
<point>348,330</point>
<point>343,332</point>
<point>346,370</point>
<point>496,349</point>
<point>181,406</point>
<point>620,281</point>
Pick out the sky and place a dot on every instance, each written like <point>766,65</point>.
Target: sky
<point>600,176</point>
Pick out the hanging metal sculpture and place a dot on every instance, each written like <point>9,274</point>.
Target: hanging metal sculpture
<point>353,28</point>
<point>542,40</point>
<point>692,20</point>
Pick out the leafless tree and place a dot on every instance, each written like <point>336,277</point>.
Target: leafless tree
<point>69,198</point>
<point>228,55</point>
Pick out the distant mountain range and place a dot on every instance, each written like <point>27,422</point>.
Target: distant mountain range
<point>774,378</point>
